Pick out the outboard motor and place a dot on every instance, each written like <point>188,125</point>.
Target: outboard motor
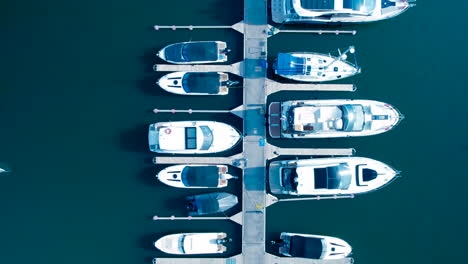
<point>226,51</point>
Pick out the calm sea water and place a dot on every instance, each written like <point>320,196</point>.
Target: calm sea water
<point>77,91</point>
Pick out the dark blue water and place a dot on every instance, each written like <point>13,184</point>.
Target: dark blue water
<point>78,89</point>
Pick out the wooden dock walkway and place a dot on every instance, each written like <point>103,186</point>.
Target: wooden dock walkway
<point>232,68</point>
<point>266,258</point>
<point>273,87</point>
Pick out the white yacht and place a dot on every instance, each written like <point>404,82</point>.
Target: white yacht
<point>331,118</point>
<point>195,176</point>
<point>329,176</point>
<point>336,11</point>
<point>315,67</point>
<point>192,243</point>
<point>313,246</point>
<point>196,83</point>
<point>195,52</point>
<point>192,137</point>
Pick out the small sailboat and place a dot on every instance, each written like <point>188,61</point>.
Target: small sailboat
<point>312,246</point>
<point>192,243</point>
<point>195,52</point>
<point>329,176</point>
<point>196,83</point>
<point>315,67</point>
<point>195,176</point>
<point>192,137</point>
<point>210,203</point>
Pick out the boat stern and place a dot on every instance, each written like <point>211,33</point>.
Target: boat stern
<point>153,138</point>
<point>275,178</point>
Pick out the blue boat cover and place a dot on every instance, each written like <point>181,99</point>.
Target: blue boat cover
<point>286,64</point>
<point>192,51</point>
<point>319,4</point>
<point>200,176</point>
<point>201,82</point>
<point>210,203</point>
<point>305,247</point>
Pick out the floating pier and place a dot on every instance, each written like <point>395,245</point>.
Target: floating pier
<point>238,259</point>
<point>237,160</point>
<point>273,87</point>
<point>272,152</point>
<point>233,68</point>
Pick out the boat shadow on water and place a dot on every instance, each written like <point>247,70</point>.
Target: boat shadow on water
<point>135,139</point>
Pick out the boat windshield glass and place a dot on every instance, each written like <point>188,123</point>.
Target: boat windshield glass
<point>207,137</point>
<point>336,177</point>
<point>366,6</point>
<point>353,117</point>
<point>181,244</point>
<point>190,138</point>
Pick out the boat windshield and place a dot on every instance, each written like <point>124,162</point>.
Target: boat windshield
<point>353,117</point>
<point>336,177</point>
<point>207,137</point>
<point>366,6</point>
<point>181,244</point>
<point>190,138</point>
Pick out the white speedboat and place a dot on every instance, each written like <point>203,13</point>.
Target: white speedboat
<point>313,246</point>
<point>336,11</point>
<point>210,203</point>
<point>195,176</point>
<point>195,52</point>
<point>331,118</point>
<point>192,243</point>
<point>196,83</point>
<point>315,67</point>
<point>192,137</point>
<point>329,176</point>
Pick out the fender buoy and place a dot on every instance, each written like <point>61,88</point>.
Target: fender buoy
<point>168,130</point>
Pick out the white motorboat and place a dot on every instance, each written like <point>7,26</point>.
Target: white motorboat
<point>195,176</point>
<point>315,67</point>
<point>331,118</point>
<point>192,137</point>
<point>313,246</point>
<point>196,83</point>
<point>195,52</point>
<point>329,176</point>
<point>336,11</point>
<point>192,243</point>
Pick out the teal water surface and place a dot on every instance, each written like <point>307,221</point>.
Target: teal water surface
<point>77,91</point>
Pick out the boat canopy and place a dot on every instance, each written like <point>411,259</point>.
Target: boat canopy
<point>353,117</point>
<point>192,51</point>
<point>201,82</point>
<point>288,64</point>
<point>320,4</point>
<point>210,203</point>
<point>207,137</point>
<point>206,176</point>
<point>336,177</point>
<point>360,5</point>
<point>305,247</point>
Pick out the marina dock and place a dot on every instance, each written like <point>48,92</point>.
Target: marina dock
<point>238,259</point>
<point>256,150</point>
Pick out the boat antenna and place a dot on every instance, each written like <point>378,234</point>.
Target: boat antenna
<point>342,56</point>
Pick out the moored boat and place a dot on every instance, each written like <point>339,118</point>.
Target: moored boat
<point>331,118</point>
<point>195,176</point>
<point>315,67</point>
<point>192,243</point>
<point>336,11</point>
<point>195,52</point>
<point>210,203</point>
<point>196,83</point>
<point>329,176</point>
<point>192,137</point>
<point>312,246</point>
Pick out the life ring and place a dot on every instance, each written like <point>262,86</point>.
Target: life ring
<point>168,130</point>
